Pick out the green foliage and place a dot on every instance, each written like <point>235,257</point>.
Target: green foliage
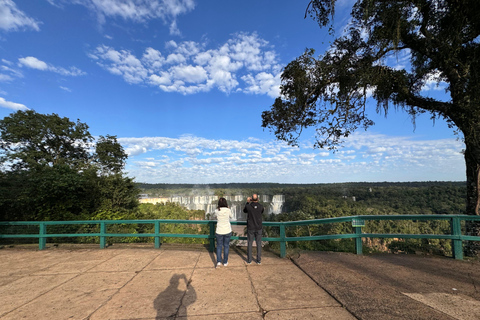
<point>48,171</point>
<point>349,199</point>
<point>174,211</point>
<point>117,192</point>
<point>31,140</point>
<point>148,211</point>
<point>110,155</point>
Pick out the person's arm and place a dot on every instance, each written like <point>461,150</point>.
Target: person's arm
<point>248,202</point>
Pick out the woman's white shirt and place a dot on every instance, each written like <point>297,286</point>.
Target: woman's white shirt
<point>223,220</point>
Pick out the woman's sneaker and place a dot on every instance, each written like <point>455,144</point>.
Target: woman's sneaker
<point>219,264</point>
<point>225,264</point>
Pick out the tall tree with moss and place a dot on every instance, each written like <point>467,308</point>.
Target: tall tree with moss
<point>330,92</point>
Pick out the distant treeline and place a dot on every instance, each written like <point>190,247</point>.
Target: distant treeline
<point>268,185</point>
<point>426,197</point>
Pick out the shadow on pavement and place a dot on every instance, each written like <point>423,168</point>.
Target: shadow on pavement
<point>172,296</point>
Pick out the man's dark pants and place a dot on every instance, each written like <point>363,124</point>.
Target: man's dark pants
<point>257,236</point>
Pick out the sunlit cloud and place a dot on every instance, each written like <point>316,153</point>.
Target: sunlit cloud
<point>34,63</point>
<point>13,19</point>
<point>66,89</point>
<point>366,157</point>
<point>138,11</point>
<point>8,72</point>
<point>12,105</point>
<point>244,63</point>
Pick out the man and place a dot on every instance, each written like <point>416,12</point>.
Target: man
<point>254,211</point>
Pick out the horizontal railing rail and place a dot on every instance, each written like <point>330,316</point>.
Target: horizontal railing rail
<point>357,222</point>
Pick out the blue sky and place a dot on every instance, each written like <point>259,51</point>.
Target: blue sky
<point>183,83</point>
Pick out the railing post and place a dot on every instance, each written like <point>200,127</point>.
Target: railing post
<point>42,240</point>
<point>102,235</point>
<point>157,237</point>
<point>211,247</point>
<point>457,246</point>
<point>283,242</point>
<point>357,224</point>
<point>358,240</point>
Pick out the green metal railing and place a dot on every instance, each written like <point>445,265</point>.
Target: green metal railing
<point>357,222</point>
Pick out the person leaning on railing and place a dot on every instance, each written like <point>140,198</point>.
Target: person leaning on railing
<point>223,214</point>
<point>254,211</point>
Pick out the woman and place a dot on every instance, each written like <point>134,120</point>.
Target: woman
<point>224,231</point>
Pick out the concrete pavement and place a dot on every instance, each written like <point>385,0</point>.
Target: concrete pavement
<point>182,283</point>
<point>144,283</point>
<point>389,286</point>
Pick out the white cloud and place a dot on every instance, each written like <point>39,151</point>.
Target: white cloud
<point>246,48</point>
<point>153,59</point>
<point>176,58</point>
<point>190,73</point>
<point>136,10</point>
<point>65,89</point>
<point>188,68</point>
<point>12,105</point>
<point>369,157</point>
<point>5,77</point>
<point>263,83</point>
<point>8,72</point>
<point>34,63</point>
<point>13,19</point>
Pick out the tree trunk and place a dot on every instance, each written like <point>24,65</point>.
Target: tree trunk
<point>472,162</point>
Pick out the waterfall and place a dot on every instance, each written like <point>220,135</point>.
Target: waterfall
<point>273,204</point>
<point>277,203</point>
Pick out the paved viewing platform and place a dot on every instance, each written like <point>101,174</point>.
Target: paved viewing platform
<point>182,283</point>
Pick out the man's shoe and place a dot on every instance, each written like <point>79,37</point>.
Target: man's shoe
<point>258,262</point>
<point>219,264</point>
<point>225,264</point>
<point>249,262</point>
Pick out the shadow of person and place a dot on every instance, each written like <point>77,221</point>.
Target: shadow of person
<point>213,256</point>
<point>174,300</point>
<point>242,252</point>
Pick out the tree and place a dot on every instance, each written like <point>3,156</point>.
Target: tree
<point>32,140</point>
<point>441,38</point>
<point>110,155</point>
<point>117,192</point>
<point>50,172</point>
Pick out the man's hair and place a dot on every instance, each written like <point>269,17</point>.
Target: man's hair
<point>254,197</point>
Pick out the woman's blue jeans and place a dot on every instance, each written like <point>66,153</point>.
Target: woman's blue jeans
<point>223,240</point>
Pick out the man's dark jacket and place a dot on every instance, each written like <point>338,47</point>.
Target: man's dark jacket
<point>254,212</point>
